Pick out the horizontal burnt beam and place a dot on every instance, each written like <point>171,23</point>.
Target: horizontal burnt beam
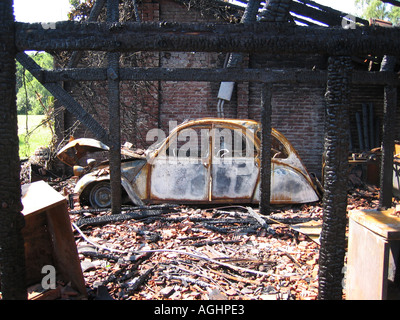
<point>214,75</point>
<point>185,74</point>
<point>260,37</point>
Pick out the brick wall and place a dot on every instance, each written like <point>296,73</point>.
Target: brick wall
<point>298,113</point>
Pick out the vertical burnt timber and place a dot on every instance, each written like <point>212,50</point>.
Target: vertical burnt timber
<point>12,252</point>
<point>276,11</point>
<point>333,240</point>
<point>114,115</point>
<point>389,126</point>
<point>265,170</point>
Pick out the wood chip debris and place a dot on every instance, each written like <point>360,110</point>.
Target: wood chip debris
<point>198,254</point>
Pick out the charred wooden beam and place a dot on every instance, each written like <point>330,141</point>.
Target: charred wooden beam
<point>214,75</point>
<point>12,253</point>
<point>72,74</point>
<point>277,11</point>
<point>114,121</point>
<point>388,133</point>
<point>188,74</point>
<point>333,235</point>
<point>304,20</point>
<point>392,2</point>
<point>65,98</point>
<point>261,37</point>
<point>265,170</point>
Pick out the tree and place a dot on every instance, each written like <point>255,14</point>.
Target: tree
<point>32,97</point>
<point>376,9</point>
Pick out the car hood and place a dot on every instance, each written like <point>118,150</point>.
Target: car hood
<point>77,149</point>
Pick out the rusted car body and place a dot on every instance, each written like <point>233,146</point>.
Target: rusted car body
<point>202,161</point>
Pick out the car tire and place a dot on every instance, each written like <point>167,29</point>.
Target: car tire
<point>100,195</point>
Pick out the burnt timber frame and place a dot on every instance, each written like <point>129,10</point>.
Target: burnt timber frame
<point>114,37</point>
<point>260,37</point>
<point>114,123</point>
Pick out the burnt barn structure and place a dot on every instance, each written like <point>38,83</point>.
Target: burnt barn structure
<point>273,59</point>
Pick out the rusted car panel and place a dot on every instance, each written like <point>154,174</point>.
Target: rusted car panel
<point>74,150</point>
<point>288,186</point>
<point>208,161</point>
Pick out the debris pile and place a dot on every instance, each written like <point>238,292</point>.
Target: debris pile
<point>186,253</point>
<point>173,252</point>
<point>182,253</point>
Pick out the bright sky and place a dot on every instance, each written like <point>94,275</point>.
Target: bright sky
<point>346,6</point>
<point>56,10</point>
<point>41,10</point>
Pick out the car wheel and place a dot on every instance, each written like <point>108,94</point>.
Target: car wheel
<point>100,195</point>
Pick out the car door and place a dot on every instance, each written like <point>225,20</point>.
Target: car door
<point>290,181</point>
<point>234,165</point>
<point>181,170</point>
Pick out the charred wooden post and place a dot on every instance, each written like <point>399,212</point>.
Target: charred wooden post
<point>12,253</point>
<point>114,115</point>
<point>277,11</point>
<point>333,241</point>
<point>389,126</point>
<point>265,170</point>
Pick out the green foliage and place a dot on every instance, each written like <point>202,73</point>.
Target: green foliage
<point>32,97</point>
<point>74,3</point>
<point>376,9</point>
<point>33,134</point>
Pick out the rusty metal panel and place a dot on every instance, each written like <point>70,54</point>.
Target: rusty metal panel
<point>182,179</point>
<point>76,149</point>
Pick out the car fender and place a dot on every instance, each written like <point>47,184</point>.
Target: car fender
<point>91,178</point>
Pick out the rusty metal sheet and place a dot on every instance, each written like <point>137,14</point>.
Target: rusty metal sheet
<point>75,150</point>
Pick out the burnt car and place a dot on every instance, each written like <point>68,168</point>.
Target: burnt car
<point>200,162</point>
